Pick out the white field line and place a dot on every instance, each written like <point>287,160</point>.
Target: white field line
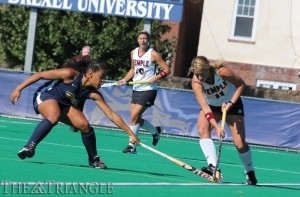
<point>52,183</point>
<point>117,151</point>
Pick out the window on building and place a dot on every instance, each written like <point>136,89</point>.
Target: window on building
<point>244,20</point>
<point>275,85</point>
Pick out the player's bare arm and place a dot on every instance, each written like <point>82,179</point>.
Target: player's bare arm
<point>130,73</point>
<point>199,94</point>
<point>228,75</point>
<point>156,57</point>
<point>66,74</point>
<point>114,117</point>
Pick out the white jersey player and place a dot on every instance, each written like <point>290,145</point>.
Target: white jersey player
<point>217,88</point>
<point>144,61</point>
<point>144,70</point>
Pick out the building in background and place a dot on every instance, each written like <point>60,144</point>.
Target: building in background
<point>259,39</point>
<point>187,32</point>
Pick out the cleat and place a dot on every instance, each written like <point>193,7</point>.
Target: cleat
<point>210,171</point>
<point>250,178</point>
<point>27,151</point>
<point>97,163</point>
<point>73,129</point>
<point>157,136</point>
<point>129,149</point>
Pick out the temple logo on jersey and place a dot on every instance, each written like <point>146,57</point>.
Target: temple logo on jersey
<point>217,90</point>
<point>141,62</point>
<point>72,97</point>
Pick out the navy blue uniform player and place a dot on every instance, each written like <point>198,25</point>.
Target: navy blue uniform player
<point>55,101</point>
<point>86,51</point>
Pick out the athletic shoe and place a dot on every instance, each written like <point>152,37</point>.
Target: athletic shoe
<point>73,129</point>
<point>97,163</point>
<point>129,149</point>
<point>250,178</point>
<point>210,170</point>
<point>27,151</point>
<point>157,136</point>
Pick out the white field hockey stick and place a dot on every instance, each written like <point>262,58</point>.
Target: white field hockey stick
<point>127,83</point>
<point>180,163</point>
<point>220,143</point>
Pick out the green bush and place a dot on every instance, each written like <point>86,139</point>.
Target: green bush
<point>61,35</point>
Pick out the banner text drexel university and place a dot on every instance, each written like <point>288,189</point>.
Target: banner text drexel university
<point>170,10</point>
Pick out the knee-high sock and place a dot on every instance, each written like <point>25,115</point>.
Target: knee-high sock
<point>247,160</point>
<point>40,132</point>
<point>89,141</point>
<point>209,150</point>
<point>149,127</point>
<point>135,129</point>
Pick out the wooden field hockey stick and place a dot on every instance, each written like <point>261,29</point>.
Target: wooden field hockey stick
<point>104,85</point>
<point>182,164</point>
<point>220,143</point>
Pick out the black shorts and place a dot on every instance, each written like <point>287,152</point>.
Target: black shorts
<point>144,98</point>
<point>237,108</point>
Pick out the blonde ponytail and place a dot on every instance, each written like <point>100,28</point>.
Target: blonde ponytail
<point>218,64</point>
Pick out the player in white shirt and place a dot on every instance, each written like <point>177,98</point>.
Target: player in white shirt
<point>218,88</point>
<point>144,61</point>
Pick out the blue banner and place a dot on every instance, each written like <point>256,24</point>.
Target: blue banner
<point>269,123</point>
<point>170,10</point>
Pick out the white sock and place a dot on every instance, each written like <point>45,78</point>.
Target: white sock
<point>135,129</point>
<point>247,160</point>
<point>209,150</point>
<point>149,127</point>
<point>131,144</point>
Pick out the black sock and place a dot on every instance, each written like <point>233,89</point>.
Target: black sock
<point>40,132</point>
<point>89,141</point>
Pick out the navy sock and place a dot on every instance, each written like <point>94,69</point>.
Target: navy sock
<point>89,141</point>
<point>40,132</point>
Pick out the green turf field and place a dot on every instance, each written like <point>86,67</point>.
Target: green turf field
<point>60,167</point>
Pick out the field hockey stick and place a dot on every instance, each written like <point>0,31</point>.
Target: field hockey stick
<point>182,164</point>
<point>104,85</point>
<point>220,143</point>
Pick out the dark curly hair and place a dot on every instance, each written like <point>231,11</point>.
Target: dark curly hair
<point>84,63</point>
<point>96,66</point>
<point>78,63</point>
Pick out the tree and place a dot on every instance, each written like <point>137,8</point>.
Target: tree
<point>13,30</point>
<point>62,34</point>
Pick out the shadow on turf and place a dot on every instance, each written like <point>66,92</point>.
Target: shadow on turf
<point>108,169</point>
